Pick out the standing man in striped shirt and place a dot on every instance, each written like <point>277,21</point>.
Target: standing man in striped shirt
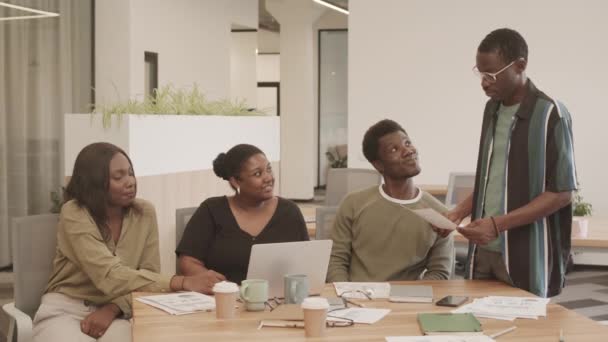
<point>521,206</point>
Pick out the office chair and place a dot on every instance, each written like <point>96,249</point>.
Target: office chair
<point>33,241</point>
<point>460,185</point>
<point>182,216</point>
<point>325,222</point>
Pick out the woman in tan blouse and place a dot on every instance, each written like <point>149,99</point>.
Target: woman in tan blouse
<point>107,247</point>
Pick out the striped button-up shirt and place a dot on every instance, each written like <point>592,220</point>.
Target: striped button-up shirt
<point>540,157</point>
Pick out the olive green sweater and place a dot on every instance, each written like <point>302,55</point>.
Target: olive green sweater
<point>98,271</point>
<point>378,238</point>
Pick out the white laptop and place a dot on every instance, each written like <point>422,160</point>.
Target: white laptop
<point>272,261</point>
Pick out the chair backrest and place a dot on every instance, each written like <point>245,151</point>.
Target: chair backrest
<point>460,185</point>
<point>34,244</point>
<point>182,216</point>
<point>325,222</point>
<point>342,181</point>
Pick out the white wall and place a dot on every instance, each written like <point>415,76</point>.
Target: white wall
<point>243,13</point>
<point>421,76</point>
<point>243,75</point>
<point>269,68</point>
<point>191,37</point>
<point>112,50</point>
<point>268,41</point>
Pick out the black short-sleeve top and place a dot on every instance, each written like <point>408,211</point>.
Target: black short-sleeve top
<point>213,236</point>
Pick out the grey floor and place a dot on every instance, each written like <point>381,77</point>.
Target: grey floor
<point>586,292</point>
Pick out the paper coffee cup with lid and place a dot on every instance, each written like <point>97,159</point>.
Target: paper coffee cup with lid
<point>226,294</point>
<point>315,314</point>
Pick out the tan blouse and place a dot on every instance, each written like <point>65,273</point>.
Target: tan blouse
<point>99,272</point>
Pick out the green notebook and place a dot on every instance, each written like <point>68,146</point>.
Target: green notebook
<point>449,323</point>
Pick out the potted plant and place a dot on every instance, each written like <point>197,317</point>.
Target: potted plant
<point>169,100</point>
<point>57,200</point>
<point>337,156</point>
<point>580,211</point>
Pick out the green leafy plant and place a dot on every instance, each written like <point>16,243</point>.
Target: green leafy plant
<point>57,200</point>
<point>580,207</point>
<point>171,100</point>
<point>336,160</point>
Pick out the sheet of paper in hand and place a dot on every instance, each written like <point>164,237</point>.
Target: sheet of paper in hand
<point>435,218</point>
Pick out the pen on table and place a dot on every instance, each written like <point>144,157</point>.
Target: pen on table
<point>502,332</point>
<point>561,335</point>
<point>353,303</point>
<point>281,324</point>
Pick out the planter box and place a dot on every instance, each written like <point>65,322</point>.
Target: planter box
<point>163,144</point>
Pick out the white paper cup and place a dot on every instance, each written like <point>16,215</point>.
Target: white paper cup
<point>226,294</point>
<point>315,314</point>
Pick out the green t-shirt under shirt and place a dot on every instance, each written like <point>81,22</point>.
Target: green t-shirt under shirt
<point>495,192</point>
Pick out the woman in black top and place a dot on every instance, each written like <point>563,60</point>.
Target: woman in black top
<point>218,238</point>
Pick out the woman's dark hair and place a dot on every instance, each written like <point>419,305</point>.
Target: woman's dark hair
<point>229,164</point>
<point>372,137</point>
<point>90,181</point>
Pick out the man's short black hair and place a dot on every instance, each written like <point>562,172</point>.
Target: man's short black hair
<point>508,43</point>
<point>373,135</point>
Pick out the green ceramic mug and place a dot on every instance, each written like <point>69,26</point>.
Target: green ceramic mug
<point>254,292</point>
<point>296,288</point>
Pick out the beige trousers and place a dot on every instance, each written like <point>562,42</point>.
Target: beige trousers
<point>490,265</point>
<point>58,319</point>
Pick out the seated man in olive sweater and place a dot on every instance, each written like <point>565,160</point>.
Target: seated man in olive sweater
<point>376,235</point>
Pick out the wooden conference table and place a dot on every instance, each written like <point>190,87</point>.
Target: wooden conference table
<point>150,324</point>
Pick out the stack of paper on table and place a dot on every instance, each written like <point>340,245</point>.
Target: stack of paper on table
<point>357,290</point>
<point>506,308</point>
<point>442,338</point>
<point>180,303</point>
<point>359,315</point>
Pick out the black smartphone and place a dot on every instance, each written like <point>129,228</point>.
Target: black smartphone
<point>452,301</point>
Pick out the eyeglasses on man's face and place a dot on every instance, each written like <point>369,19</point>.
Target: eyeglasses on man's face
<point>490,76</point>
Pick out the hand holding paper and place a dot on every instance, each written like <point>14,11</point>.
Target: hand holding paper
<point>435,218</point>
